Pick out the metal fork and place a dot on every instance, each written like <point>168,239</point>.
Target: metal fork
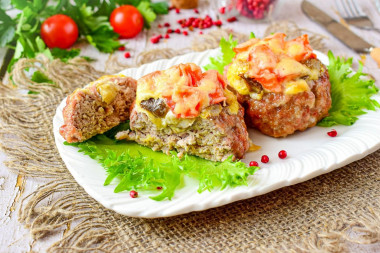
<point>354,15</point>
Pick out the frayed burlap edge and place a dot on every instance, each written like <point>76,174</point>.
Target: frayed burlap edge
<point>254,225</point>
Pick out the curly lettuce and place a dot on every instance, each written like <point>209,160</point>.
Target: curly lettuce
<point>135,167</point>
<point>351,93</point>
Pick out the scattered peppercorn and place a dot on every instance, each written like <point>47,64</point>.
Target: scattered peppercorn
<point>159,187</point>
<point>155,39</point>
<point>264,159</point>
<point>127,55</point>
<point>253,163</point>
<point>177,30</point>
<point>167,25</point>
<point>231,19</point>
<point>177,11</point>
<point>282,154</point>
<point>167,36</point>
<point>222,10</point>
<point>185,33</point>
<point>196,11</point>
<point>218,23</point>
<point>332,133</point>
<point>133,194</point>
<point>122,48</point>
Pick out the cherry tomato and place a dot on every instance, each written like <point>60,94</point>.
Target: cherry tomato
<point>127,21</point>
<point>59,31</point>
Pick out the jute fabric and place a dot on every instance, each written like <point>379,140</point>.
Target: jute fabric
<point>326,214</point>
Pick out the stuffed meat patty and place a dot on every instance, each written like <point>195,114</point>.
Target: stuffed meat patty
<point>281,84</point>
<point>191,112</point>
<point>97,107</point>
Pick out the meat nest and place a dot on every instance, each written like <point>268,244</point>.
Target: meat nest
<point>96,109</point>
<point>279,115</point>
<point>215,138</point>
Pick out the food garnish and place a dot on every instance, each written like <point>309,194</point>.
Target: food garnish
<point>133,194</point>
<point>264,159</point>
<point>332,133</point>
<point>282,154</point>
<point>219,63</point>
<point>253,163</point>
<point>351,92</point>
<point>139,168</point>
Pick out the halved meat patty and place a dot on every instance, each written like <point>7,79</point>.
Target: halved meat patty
<point>214,138</point>
<point>97,107</point>
<point>188,111</point>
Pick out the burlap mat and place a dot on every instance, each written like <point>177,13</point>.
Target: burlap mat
<point>316,216</point>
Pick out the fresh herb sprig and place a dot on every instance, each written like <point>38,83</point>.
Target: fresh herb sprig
<point>22,32</point>
<point>139,168</point>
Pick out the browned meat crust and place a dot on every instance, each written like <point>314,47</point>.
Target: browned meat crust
<point>86,114</point>
<point>215,138</point>
<point>279,115</point>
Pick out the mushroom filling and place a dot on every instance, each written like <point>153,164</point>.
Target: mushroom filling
<point>157,107</point>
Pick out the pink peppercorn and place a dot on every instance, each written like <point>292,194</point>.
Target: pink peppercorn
<point>133,194</point>
<point>264,159</point>
<point>332,133</point>
<point>253,163</point>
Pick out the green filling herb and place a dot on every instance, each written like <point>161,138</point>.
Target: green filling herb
<point>350,93</point>
<point>139,168</point>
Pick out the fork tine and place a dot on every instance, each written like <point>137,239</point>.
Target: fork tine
<point>353,8</point>
<point>347,9</point>
<point>358,8</point>
<point>341,10</point>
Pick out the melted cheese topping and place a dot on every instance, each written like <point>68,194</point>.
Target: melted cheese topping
<point>274,63</point>
<point>107,86</point>
<point>188,93</point>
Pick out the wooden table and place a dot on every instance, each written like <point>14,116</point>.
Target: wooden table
<point>13,187</point>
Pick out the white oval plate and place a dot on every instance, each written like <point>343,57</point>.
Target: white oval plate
<point>310,154</point>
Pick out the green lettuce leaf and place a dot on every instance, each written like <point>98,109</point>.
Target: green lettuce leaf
<point>135,167</point>
<point>225,58</point>
<point>350,92</point>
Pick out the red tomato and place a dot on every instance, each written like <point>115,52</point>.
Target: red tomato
<point>59,31</point>
<point>127,21</point>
